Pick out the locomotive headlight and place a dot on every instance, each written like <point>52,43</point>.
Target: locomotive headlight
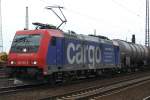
<point>12,62</point>
<point>34,62</point>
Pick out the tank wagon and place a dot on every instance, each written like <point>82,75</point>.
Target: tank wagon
<point>132,55</point>
<point>51,54</point>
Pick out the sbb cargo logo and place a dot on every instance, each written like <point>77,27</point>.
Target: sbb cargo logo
<point>79,54</point>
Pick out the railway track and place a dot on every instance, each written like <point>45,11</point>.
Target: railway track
<point>95,92</point>
<point>3,73</point>
<point>6,82</point>
<point>18,88</point>
<point>68,92</point>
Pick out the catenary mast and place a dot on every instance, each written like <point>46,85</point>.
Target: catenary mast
<point>1,37</point>
<point>147,38</point>
<point>27,19</point>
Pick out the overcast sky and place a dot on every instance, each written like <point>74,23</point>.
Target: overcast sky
<point>116,19</point>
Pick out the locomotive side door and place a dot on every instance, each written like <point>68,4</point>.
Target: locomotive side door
<point>55,53</point>
<point>59,53</point>
<point>51,55</point>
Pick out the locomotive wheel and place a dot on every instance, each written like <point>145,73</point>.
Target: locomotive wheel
<point>51,80</point>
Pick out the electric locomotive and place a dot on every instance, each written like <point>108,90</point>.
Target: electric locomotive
<point>50,53</point>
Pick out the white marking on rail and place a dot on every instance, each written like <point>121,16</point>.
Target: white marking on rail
<point>11,79</point>
<point>16,81</point>
<point>147,98</point>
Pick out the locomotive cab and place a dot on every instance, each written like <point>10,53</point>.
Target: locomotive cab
<point>28,52</point>
<point>31,51</point>
<point>23,56</point>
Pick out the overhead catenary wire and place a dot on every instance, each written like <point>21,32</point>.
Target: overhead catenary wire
<point>93,19</point>
<point>44,1</point>
<point>126,8</point>
<point>63,3</point>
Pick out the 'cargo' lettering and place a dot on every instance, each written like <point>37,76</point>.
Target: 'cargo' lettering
<point>70,59</point>
<point>81,54</point>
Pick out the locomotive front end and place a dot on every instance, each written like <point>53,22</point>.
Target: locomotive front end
<point>26,56</point>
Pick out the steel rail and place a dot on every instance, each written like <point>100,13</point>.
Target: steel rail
<point>92,92</point>
<point>14,89</point>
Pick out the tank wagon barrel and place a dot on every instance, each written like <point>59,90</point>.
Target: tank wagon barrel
<point>132,54</point>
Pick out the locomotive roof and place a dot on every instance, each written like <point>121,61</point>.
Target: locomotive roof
<point>86,38</point>
<point>52,32</point>
<point>70,35</point>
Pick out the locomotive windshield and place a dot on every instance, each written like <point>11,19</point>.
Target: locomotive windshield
<point>26,43</point>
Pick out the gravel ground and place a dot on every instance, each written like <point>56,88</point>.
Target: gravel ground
<point>4,80</point>
<point>134,93</point>
<point>46,91</point>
